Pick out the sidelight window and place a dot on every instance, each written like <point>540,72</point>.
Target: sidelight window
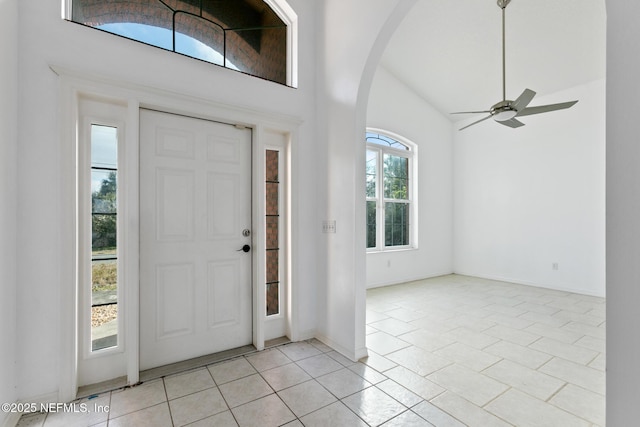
<point>104,236</point>
<point>272,219</point>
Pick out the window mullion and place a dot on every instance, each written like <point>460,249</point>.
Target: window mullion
<point>380,201</point>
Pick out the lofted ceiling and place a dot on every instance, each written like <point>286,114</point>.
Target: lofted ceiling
<point>450,52</point>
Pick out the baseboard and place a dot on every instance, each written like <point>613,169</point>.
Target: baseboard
<point>406,280</point>
<point>44,398</point>
<point>534,284</point>
<point>362,352</point>
<point>351,355</point>
<point>303,335</point>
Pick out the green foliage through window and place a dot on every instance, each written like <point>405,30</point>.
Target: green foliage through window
<point>104,210</point>
<point>371,224</point>
<point>396,177</point>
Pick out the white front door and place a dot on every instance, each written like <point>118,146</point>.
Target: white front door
<point>195,219</point>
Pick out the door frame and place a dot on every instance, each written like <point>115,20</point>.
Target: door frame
<point>73,86</point>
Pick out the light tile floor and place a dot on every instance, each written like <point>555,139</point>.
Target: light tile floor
<point>448,351</point>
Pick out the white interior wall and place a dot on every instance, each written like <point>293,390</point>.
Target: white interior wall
<point>338,86</point>
<point>623,212</point>
<point>41,268</point>
<point>530,198</point>
<point>396,108</point>
<point>8,195</point>
<point>351,42</point>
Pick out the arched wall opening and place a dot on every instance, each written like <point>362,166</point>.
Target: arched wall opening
<point>348,75</point>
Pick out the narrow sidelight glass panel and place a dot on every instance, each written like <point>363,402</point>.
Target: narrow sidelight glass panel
<point>104,240</point>
<point>272,223</point>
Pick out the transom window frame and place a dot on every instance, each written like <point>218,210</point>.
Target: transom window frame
<point>280,7</point>
<point>408,150</point>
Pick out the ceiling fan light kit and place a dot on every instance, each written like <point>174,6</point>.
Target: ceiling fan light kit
<point>506,111</point>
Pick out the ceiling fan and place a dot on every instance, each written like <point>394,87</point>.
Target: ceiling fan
<point>506,111</point>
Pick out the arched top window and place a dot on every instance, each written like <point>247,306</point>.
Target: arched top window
<point>256,37</point>
<point>390,192</point>
<point>385,141</point>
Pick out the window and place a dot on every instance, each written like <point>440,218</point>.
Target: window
<point>244,35</point>
<point>272,218</point>
<point>389,189</point>
<point>104,242</point>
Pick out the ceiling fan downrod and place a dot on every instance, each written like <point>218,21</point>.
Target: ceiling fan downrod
<point>502,4</point>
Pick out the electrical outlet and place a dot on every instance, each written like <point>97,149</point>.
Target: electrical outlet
<point>554,266</point>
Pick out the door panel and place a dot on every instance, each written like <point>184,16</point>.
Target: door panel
<point>222,310</point>
<point>195,201</point>
<point>175,202</point>
<point>224,198</point>
<point>175,300</point>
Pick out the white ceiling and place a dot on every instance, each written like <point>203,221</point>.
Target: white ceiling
<point>450,52</point>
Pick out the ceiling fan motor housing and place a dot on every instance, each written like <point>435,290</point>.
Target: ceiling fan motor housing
<point>503,111</point>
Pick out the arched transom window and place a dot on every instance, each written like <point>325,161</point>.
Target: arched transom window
<point>390,185</point>
<point>245,35</point>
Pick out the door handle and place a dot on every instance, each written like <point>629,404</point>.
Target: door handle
<point>245,248</point>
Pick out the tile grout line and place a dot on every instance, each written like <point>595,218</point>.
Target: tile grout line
<point>556,393</point>
<point>271,387</point>
<point>220,391</point>
<point>109,414</point>
<point>166,395</point>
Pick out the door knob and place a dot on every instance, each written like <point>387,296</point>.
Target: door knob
<point>245,248</point>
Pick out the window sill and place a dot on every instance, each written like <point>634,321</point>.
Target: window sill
<point>392,250</point>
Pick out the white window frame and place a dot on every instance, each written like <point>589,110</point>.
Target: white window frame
<point>97,365</point>
<point>278,325</point>
<point>411,155</point>
<point>85,213</point>
<point>290,18</point>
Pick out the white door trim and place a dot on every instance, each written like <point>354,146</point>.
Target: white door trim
<point>74,84</point>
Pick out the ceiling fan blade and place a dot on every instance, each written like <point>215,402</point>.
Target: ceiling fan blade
<point>512,123</point>
<point>476,122</point>
<point>545,108</point>
<point>523,100</point>
<point>471,112</point>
